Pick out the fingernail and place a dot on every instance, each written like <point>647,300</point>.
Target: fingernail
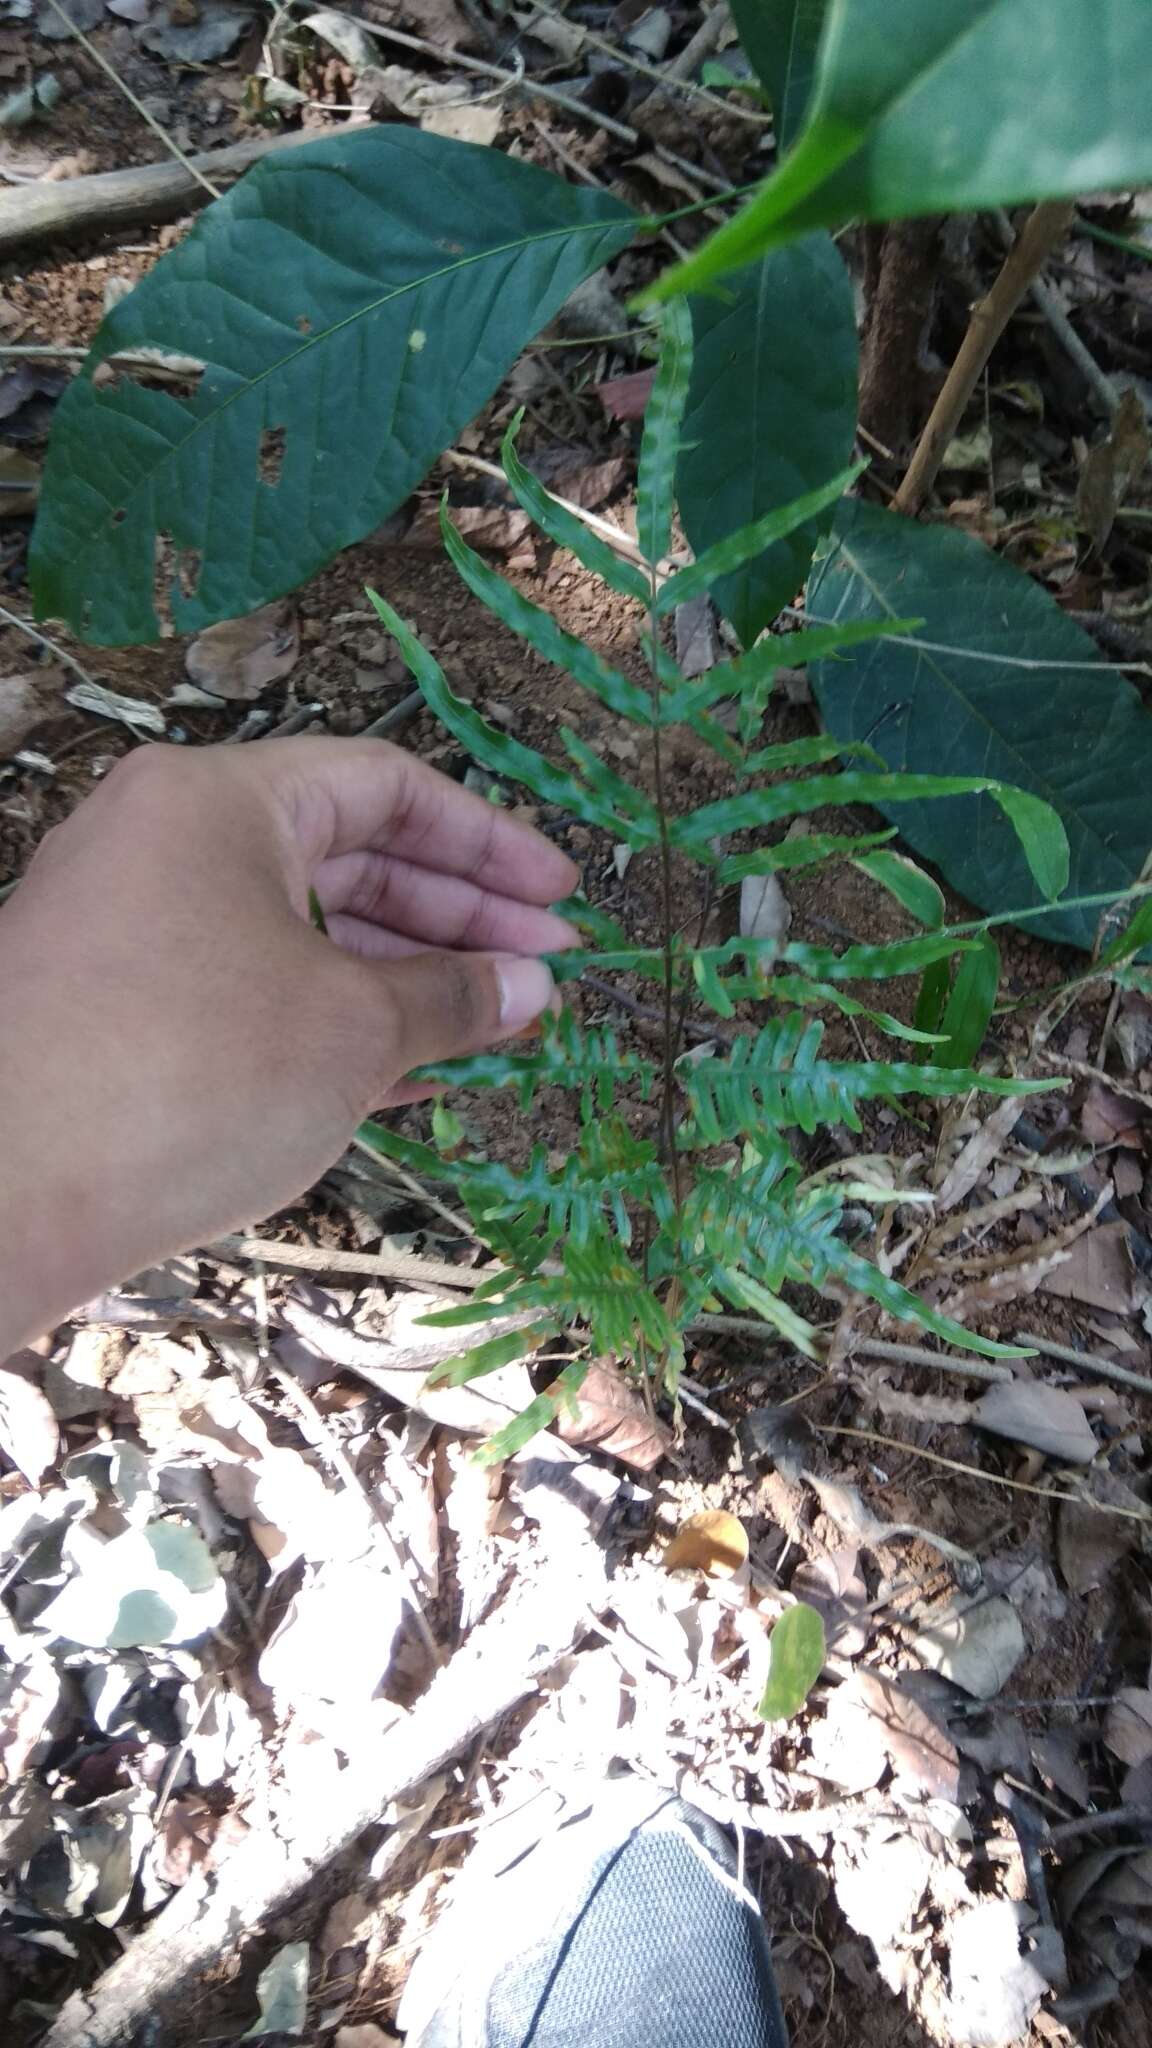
<point>525,990</point>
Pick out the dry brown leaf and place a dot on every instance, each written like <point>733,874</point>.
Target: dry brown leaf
<point>477,121</point>
<point>977,1155</point>
<point>1133,1030</point>
<point>1089,1541</point>
<point>1047,1419</point>
<point>916,1407</point>
<point>19,481</point>
<point>349,1921</point>
<point>832,1584</point>
<point>1109,1118</point>
<point>626,398</point>
<point>610,1412</point>
<point>28,1432</point>
<point>241,657</point>
<point>364,2034</point>
<point>1098,1270</point>
<point>697,640</point>
<point>711,1541</point>
<point>589,485</point>
<point>1057,1758</point>
<point>1128,1726</point>
<point>1111,467</point>
<point>921,1752</point>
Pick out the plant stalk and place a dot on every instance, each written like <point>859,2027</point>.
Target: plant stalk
<point>1044,227</point>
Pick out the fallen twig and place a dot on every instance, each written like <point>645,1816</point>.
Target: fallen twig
<point>500,1665</point>
<point>88,46</point>
<point>1077,351</point>
<point>893,1443</point>
<point>1086,1361</point>
<point>311,1258</point>
<point>1128,1816</point>
<point>990,316</point>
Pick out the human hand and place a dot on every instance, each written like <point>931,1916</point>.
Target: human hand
<point>181,1052</point>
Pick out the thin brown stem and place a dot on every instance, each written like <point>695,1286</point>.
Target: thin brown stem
<point>1045,226</point>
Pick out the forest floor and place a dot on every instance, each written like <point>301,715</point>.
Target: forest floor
<point>934,1838</point>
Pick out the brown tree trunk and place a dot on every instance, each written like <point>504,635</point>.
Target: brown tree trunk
<point>901,274</point>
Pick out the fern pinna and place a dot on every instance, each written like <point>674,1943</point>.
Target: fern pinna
<point>637,1233</point>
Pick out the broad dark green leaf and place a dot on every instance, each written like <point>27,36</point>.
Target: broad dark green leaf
<point>500,752</point>
<point>769,417</point>
<point>971,1001</point>
<point>734,549</point>
<point>359,299</point>
<point>780,39</point>
<point>541,631</point>
<point>950,106</point>
<point>1001,684</point>
<point>795,1660</point>
<point>663,424</point>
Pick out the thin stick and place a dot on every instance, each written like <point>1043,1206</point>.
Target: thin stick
<point>1126,1816</point>
<point>529,86</point>
<point>1086,1361</point>
<point>109,70</point>
<point>666,77</point>
<point>1042,230</point>
<point>892,1443</point>
<point>383,1265</point>
<point>918,1354</point>
<point>616,537</point>
<point>391,1167</point>
<point>41,639</point>
<point>1043,296</point>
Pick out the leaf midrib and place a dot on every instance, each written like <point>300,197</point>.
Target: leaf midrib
<point>208,420</point>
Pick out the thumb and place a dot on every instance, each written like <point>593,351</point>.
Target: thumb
<point>438,1005</point>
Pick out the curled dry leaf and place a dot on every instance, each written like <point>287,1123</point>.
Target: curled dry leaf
<point>240,658</point>
<point>1108,1118</point>
<point>711,1541</point>
<point>1047,1419</point>
<point>609,1411</point>
<point>626,398</point>
<point>977,1155</point>
<point>25,701</point>
<point>1128,1727</point>
<point>28,1432</point>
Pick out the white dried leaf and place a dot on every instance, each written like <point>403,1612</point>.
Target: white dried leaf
<point>995,1990</point>
<point>334,1644</point>
<point>981,1149</point>
<point>977,1646</point>
<point>1047,1419</point>
<point>765,912</point>
<point>129,711</point>
<point>28,1432</point>
<point>1128,1728</point>
<point>153,1585</point>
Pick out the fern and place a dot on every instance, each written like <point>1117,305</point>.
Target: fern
<point>682,1194</point>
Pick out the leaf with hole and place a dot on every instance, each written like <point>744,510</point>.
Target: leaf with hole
<point>795,1660</point>
<point>953,107</point>
<point>360,297</point>
<point>791,428</point>
<point>1000,684</point>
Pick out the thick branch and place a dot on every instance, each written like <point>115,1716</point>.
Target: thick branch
<point>1038,237</point>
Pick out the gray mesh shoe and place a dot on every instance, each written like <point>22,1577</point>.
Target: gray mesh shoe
<point>625,1927</point>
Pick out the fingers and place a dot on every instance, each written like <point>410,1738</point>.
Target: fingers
<point>435,1006</point>
<point>345,795</point>
<point>441,910</point>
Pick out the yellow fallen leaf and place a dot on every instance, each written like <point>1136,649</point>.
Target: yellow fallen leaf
<point>712,1541</point>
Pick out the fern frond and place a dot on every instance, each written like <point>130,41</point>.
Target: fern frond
<point>776,1078</point>
<point>569,1056</point>
<point>807,852</point>
<point>748,541</point>
<point>809,995</point>
<point>760,1223</point>
<point>660,441</point>
<point>513,1436</point>
<point>542,631</point>
<point>489,1356</point>
<point>498,750</point>
<point>752,676</point>
<point>563,528</point>
<point>624,798</point>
